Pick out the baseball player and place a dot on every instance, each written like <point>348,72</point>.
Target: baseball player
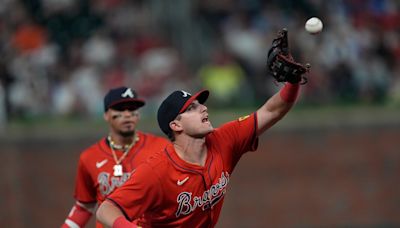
<point>184,185</point>
<point>107,164</point>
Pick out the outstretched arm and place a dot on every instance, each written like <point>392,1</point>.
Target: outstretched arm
<point>276,107</point>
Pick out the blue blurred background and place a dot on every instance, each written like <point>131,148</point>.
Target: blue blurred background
<point>59,58</point>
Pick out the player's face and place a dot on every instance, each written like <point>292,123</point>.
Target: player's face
<point>123,122</point>
<point>194,121</point>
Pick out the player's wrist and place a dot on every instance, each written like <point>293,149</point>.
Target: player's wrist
<point>78,217</point>
<point>290,92</point>
<point>122,222</point>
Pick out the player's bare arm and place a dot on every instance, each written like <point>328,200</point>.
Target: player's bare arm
<point>108,213</point>
<point>274,109</point>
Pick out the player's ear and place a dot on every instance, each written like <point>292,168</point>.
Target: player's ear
<point>137,114</point>
<point>175,125</point>
<point>106,116</point>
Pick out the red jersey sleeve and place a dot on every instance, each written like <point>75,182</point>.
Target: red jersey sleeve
<point>85,190</point>
<point>236,137</point>
<point>141,193</point>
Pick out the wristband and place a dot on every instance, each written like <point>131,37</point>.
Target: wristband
<point>122,222</point>
<point>78,217</point>
<point>290,92</point>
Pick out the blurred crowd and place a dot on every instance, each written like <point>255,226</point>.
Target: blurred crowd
<point>59,57</point>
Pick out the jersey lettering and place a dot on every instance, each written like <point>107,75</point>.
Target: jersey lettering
<point>206,201</point>
<point>107,184</point>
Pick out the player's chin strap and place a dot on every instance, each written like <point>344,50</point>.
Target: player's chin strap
<point>78,216</point>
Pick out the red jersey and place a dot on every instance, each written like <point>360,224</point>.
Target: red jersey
<point>174,193</point>
<point>95,179</point>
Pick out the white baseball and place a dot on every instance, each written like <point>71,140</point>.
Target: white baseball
<point>314,25</point>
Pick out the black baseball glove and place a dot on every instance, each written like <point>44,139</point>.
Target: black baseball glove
<point>280,63</point>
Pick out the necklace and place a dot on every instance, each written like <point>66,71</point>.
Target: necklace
<point>118,169</point>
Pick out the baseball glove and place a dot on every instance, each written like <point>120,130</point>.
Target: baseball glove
<point>280,63</point>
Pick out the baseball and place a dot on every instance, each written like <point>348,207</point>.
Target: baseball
<point>314,25</point>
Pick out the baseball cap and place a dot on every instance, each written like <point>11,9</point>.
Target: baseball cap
<point>176,103</point>
<point>121,98</point>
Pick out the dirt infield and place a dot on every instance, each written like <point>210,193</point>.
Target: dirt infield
<point>332,177</point>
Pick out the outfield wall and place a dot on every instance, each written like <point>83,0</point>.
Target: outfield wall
<point>315,177</point>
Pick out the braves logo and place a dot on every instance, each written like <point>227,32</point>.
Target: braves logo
<point>107,184</point>
<point>128,93</point>
<point>207,200</point>
<point>185,94</point>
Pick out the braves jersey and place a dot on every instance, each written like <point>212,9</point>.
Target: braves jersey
<point>95,179</point>
<point>174,193</point>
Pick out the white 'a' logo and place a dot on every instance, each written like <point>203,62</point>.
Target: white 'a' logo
<point>128,93</point>
<point>185,94</point>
